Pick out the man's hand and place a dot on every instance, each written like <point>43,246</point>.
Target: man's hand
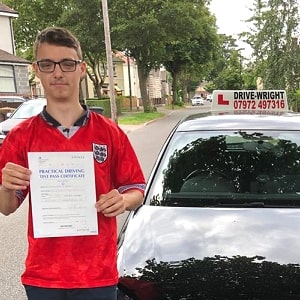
<point>15,177</point>
<point>111,204</point>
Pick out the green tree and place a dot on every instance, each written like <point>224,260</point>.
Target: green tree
<point>230,78</point>
<point>249,76</point>
<point>189,79</point>
<point>185,57</point>
<point>86,22</point>
<point>273,37</point>
<point>227,68</point>
<point>150,29</point>
<point>80,17</point>
<point>33,16</point>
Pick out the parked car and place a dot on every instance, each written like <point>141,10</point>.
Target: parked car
<point>24,111</point>
<point>12,99</point>
<point>209,97</point>
<point>221,214</point>
<point>197,100</point>
<point>9,104</point>
<point>27,110</point>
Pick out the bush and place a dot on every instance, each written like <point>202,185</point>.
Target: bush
<point>105,104</point>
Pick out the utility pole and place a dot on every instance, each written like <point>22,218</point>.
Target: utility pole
<point>129,79</point>
<point>113,106</point>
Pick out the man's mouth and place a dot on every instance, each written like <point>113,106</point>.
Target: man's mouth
<point>58,84</point>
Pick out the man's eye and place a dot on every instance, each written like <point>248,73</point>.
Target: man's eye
<point>46,65</point>
<point>68,63</point>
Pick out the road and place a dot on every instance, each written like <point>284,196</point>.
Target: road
<point>147,142</point>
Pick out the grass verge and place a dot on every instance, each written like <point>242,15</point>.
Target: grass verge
<point>138,118</point>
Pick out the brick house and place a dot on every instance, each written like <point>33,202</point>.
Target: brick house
<point>14,76</point>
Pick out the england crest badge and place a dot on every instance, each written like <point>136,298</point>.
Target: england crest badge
<point>100,152</point>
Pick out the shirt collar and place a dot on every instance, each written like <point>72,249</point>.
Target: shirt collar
<point>80,122</point>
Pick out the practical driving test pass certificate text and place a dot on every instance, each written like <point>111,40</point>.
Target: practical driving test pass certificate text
<point>63,195</point>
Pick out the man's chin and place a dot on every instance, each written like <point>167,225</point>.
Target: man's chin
<point>60,97</point>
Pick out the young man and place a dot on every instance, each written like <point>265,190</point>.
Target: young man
<point>77,267</point>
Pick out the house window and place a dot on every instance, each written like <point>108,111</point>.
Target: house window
<point>7,79</point>
<point>104,71</point>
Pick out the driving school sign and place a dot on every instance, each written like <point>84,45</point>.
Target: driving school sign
<point>249,100</point>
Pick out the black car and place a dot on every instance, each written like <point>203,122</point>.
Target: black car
<point>221,214</point>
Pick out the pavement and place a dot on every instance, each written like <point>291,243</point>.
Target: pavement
<point>129,128</point>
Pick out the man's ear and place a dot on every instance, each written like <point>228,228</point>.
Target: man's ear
<point>83,69</point>
<point>35,69</point>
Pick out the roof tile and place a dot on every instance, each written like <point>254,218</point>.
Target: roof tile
<point>7,57</point>
<point>6,9</point>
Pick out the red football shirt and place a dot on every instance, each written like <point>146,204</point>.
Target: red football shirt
<point>82,261</point>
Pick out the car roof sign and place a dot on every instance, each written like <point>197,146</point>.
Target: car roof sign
<point>252,101</point>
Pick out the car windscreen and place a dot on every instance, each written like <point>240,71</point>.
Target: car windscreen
<point>27,110</point>
<point>229,169</point>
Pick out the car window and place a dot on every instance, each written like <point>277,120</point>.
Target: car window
<point>229,169</point>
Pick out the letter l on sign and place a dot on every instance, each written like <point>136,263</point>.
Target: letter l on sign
<point>221,101</point>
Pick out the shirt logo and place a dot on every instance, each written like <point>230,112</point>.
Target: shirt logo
<point>100,153</point>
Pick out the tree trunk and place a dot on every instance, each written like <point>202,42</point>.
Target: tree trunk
<point>185,93</point>
<point>144,91</point>
<point>97,80</point>
<point>174,88</point>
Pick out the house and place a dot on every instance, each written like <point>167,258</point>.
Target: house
<point>14,77</point>
<point>201,91</point>
<point>158,88</point>
<point>126,81</point>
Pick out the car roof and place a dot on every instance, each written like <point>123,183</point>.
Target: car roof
<point>3,98</point>
<point>37,100</point>
<point>230,121</point>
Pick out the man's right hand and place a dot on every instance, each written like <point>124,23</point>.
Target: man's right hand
<point>15,177</point>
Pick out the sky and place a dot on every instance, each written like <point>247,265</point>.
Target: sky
<point>230,15</point>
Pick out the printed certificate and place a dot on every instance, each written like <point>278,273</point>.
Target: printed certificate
<point>63,194</point>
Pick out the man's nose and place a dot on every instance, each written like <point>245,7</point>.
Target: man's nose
<point>57,70</point>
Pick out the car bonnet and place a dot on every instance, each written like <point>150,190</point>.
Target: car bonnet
<point>161,242</point>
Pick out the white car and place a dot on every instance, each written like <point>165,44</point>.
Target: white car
<point>197,100</point>
<point>24,111</point>
<point>209,97</point>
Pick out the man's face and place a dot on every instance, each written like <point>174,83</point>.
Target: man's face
<point>59,85</point>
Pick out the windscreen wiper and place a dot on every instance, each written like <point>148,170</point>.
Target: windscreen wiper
<point>231,200</point>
